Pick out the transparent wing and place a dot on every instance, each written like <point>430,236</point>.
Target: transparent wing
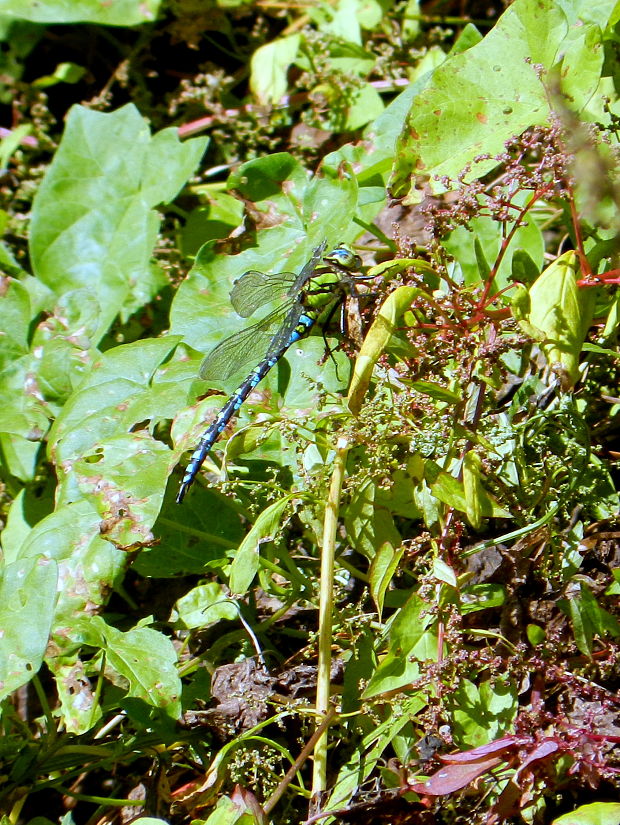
<point>254,289</point>
<point>308,271</point>
<point>250,345</point>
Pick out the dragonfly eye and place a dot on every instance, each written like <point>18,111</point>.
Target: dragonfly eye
<point>344,257</point>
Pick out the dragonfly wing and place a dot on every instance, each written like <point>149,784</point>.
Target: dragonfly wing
<point>249,346</point>
<point>254,289</point>
<point>308,271</point>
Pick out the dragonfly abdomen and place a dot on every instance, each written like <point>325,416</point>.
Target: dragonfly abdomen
<point>304,324</point>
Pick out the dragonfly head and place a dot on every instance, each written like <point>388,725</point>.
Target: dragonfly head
<point>344,257</point>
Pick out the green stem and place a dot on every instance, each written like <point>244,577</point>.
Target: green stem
<point>51,725</point>
<point>330,524</point>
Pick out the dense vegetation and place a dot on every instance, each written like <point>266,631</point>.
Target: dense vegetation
<point>392,594</point>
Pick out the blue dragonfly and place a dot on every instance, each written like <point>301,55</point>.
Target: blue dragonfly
<point>312,295</point>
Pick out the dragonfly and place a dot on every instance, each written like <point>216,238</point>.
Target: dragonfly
<point>311,296</point>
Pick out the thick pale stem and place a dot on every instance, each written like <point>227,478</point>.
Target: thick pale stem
<point>330,525</point>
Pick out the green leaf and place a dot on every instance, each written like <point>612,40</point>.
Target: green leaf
<point>199,537</point>
<point>79,709</point>
<point>144,657</point>
<point>369,522</point>
<point>588,618</point>
<point>597,813</point>
<point>479,99</point>
<point>269,66</point>
<point>352,109</point>
<point>482,713</point>
<point>88,565</point>
<point>63,73</point>
<point>246,562</point>
<point>213,221</point>
<point>436,391</point>
<point>535,634</point>
<point>330,202</point>
<point>524,268</point>
<point>382,568</point>
<point>376,340</point>
<point>119,13</point>
<point>9,144</point>
<point>411,641</point>
<point>477,502</point>
<point>118,392</point>
<point>477,247</point>
<point>203,606</point>
<point>365,757</point>
<point>474,491</point>
<point>563,313</point>
<point>481,597</point>
<point>93,219</point>
<point>27,602</point>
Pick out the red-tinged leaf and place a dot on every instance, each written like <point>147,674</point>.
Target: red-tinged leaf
<point>507,803</point>
<point>245,800</point>
<point>476,754</point>
<point>452,778</point>
<point>546,748</point>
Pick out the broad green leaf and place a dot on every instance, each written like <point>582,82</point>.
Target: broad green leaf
<point>468,37</point>
<point>329,204</point>
<point>226,812</point>
<point>200,536</point>
<point>275,184</point>
<point>452,492</point>
<point>350,110</point>
<point>88,565</point>
<point>217,219</point>
<point>369,523</point>
<point>479,99</point>
<point>597,813</point>
<point>246,562</point>
<point>474,491</point>
<point>563,313</point>
<point>269,66</point>
<point>146,658</point>
<point>27,601</point>
<point>25,511</point>
<point>94,223</point>
<point>411,641</point>
<point>79,709</point>
<point>124,477</point>
<point>118,392</point>
<point>382,568</point>
<point>118,13</point>
<point>482,713</point>
<point>17,312</point>
<point>203,606</point>
<point>483,240</point>
<point>341,20</point>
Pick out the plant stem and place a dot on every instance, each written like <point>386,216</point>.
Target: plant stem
<point>330,524</point>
